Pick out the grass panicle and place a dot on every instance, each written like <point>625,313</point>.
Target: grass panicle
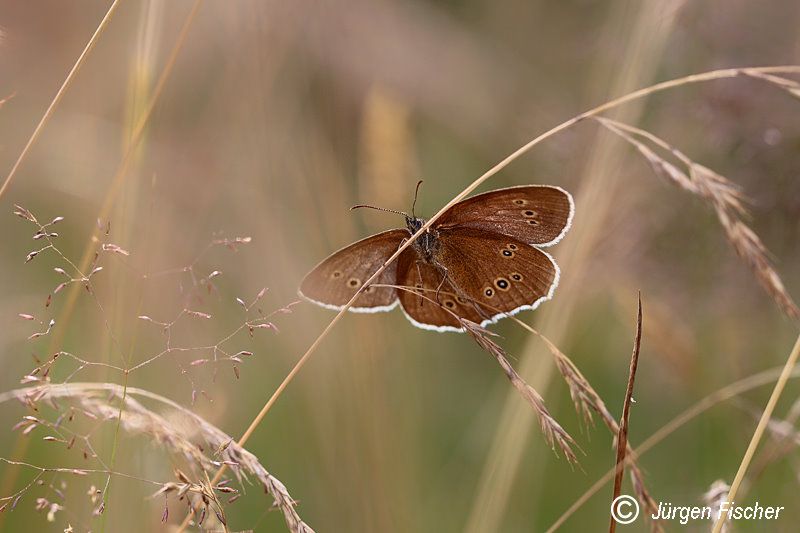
<point>555,435</point>
<point>102,402</point>
<point>725,198</point>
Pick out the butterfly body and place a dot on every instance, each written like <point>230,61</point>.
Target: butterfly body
<point>426,244</point>
<point>481,260</point>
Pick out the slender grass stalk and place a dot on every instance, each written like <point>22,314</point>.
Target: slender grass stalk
<point>786,373</point>
<point>63,89</point>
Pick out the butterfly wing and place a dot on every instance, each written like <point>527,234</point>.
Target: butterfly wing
<point>489,276</point>
<point>335,281</point>
<point>421,307</point>
<point>502,274</point>
<point>534,214</point>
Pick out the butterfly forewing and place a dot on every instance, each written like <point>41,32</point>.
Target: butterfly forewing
<point>335,281</point>
<point>502,274</point>
<point>424,307</point>
<point>534,214</point>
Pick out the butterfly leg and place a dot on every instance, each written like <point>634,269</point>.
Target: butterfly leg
<point>441,283</point>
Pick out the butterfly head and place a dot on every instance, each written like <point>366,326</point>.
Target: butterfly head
<point>426,245</point>
<point>414,224</point>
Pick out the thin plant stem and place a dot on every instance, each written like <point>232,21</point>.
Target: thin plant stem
<point>57,98</point>
<point>786,373</point>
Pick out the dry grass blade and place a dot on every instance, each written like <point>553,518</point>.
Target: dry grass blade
<point>555,435</point>
<point>123,167</point>
<point>726,200</point>
<point>97,398</point>
<point>622,434</point>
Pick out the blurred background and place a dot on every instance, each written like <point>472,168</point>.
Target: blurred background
<point>274,119</point>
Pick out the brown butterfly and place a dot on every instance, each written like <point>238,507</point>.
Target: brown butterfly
<point>481,260</point>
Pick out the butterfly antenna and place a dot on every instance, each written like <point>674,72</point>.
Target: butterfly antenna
<point>416,192</point>
<point>379,209</point>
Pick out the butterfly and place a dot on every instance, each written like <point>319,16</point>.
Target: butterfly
<point>482,260</point>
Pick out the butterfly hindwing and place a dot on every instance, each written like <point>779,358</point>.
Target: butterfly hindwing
<point>534,214</point>
<point>333,282</point>
<point>502,274</point>
<point>425,308</point>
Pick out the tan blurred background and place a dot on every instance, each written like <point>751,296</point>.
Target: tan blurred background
<point>276,118</point>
